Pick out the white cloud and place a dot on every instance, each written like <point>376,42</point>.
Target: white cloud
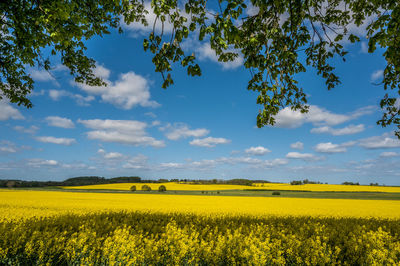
<point>252,10</point>
<point>136,28</point>
<point>181,130</point>
<point>389,154</point>
<point>41,75</point>
<point>127,92</point>
<point>137,162</point>
<point>206,53</point>
<point>297,145</point>
<point>110,155</point>
<point>171,165</point>
<point>302,156</point>
<point>364,47</point>
<point>121,131</point>
<point>209,142</point>
<point>57,121</point>
<point>155,123</point>
<point>8,112</point>
<point>380,142</point>
<point>259,150</point>
<point>113,155</point>
<point>150,114</point>
<point>7,147</point>
<point>288,118</point>
<point>329,147</point>
<point>54,140</point>
<point>10,147</point>
<point>377,75</point>
<point>81,100</point>
<point>275,162</point>
<point>351,129</point>
<point>29,130</point>
<point>236,160</point>
<point>101,72</point>
<point>41,162</point>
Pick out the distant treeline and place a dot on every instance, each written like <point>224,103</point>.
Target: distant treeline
<point>94,180</point>
<point>303,182</point>
<point>75,181</point>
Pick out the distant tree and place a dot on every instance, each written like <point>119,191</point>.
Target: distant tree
<point>374,184</point>
<point>162,180</point>
<point>296,182</point>
<point>351,183</point>
<point>126,179</point>
<point>11,184</point>
<point>133,188</point>
<point>146,188</point>
<point>162,188</point>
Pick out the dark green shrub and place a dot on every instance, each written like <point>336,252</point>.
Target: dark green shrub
<point>275,193</point>
<point>146,188</point>
<point>162,188</point>
<point>133,188</point>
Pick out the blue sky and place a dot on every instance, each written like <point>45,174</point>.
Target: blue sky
<point>199,128</point>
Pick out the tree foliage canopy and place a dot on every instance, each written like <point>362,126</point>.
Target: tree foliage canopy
<point>277,40</point>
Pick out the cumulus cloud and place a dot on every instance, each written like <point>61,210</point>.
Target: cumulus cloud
<point>209,142</point>
<point>377,75</point>
<point>287,118</point>
<point>303,156</point>
<point>130,132</point>
<point>81,100</point>
<point>137,162</point>
<point>297,145</point>
<point>57,121</point>
<point>348,130</point>
<point>128,91</point>
<point>137,29</point>
<point>7,147</point>
<point>181,130</point>
<point>329,147</point>
<point>10,147</point>
<point>259,150</point>
<point>41,162</point>
<point>113,155</point>
<point>389,154</point>
<point>54,140</point>
<point>384,141</point>
<point>205,52</point>
<point>29,130</point>
<point>41,75</point>
<point>207,163</point>
<point>8,112</point>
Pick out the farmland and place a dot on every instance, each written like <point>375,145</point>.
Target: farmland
<point>236,226</point>
<point>256,186</point>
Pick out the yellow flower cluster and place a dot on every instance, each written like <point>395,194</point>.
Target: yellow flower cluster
<point>261,186</point>
<point>16,204</point>
<point>144,238</point>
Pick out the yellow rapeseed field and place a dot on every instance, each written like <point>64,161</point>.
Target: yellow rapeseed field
<point>269,186</point>
<point>27,203</point>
